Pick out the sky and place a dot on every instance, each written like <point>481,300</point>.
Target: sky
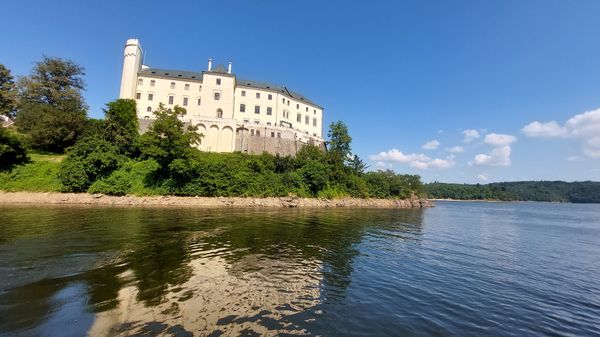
<point>455,91</point>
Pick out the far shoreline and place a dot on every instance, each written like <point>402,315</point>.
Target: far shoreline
<point>55,198</point>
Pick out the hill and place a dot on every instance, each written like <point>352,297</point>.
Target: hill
<point>556,191</point>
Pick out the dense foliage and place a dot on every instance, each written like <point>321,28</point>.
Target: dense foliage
<point>559,191</point>
<point>8,93</point>
<point>12,151</point>
<point>51,109</point>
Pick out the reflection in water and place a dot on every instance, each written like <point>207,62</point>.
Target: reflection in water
<point>178,271</point>
<point>505,269</point>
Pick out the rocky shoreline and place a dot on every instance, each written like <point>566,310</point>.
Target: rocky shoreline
<point>42,198</point>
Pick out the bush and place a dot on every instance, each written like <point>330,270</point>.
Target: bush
<point>88,160</point>
<point>12,151</point>
<point>131,178</point>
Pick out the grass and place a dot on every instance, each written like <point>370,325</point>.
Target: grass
<point>40,174</point>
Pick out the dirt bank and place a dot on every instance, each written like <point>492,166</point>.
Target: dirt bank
<point>166,201</point>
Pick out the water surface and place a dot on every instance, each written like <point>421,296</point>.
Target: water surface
<point>464,269</point>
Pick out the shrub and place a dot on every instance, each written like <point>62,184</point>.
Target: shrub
<point>131,178</point>
<point>39,174</point>
<point>89,159</point>
<point>12,151</point>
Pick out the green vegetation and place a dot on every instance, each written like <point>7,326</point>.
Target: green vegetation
<point>39,174</point>
<point>12,151</point>
<point>51,111</point>
<point>8,93</point>
<point>557,191</point>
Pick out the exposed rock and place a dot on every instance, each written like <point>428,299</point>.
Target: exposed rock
<point>204,202</point>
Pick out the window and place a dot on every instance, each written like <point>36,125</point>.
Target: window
<point>138,95</point>
<point>186,87</point>
<point>268,123</point>
<point>218,81</point>
<point>270,97</point>
<point>140,81</point>
<point>306,109</point>
<point>243,93</point>
<point>298,118</point>
<point>149,109</point>
<point>152,83</point>
<point>150,97</point>
<point>306,120</point>
<point>297,106</point>
<point>146,117</point>
<point>278,134</point>
<point>217,96</point>
<point>242,107</point>
<point>258,95</point>
<point>286,114</point>
<point>257,133</point>
<point>256,121</point>
<point>314,122</point>
<point>200,87</point>
<point>288,102</point>
<point>199,101</point>
<point>315,111</point>
<point>246,121</point>
<point>172,85</point>
<point>283,100</point>
<point>269,111</point>
<point>219,113</point>
<point>252,132</point>
<point>256,109</point>
<point>171,99</point>
<point>185,101</point>
<point>272,134</point>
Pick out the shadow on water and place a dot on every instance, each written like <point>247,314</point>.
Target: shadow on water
<point>122,271</point>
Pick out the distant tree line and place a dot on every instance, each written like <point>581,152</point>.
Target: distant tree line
<point>557,191</point>
<point>110,156</point>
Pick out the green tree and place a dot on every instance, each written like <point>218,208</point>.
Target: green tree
<point>357,165</point>
<point>168,140</point>
<point>8,93</point>
<point>52,111</point>
<point>12,151</point>
<point>339,141</point>
<point>90,159</point>
<point>122,125</point>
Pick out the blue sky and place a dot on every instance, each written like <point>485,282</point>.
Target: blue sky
<point>404,75</point>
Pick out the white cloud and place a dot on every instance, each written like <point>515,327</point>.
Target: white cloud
<point>499,156</point>
<point>431,145</point>
<point>416,160</point>
<point>470,135</point>
<point>482,177</point>
<point>549,129</point>
<point>382,165</point>
<point>584,126</point>
<point>592,147</point>
<point>496,139</point>
<point>574,158</point>
<point>456,149</point>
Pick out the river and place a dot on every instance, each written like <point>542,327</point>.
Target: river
<point>458,269</point>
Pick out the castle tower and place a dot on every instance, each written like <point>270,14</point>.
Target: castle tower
<point>132,63</point>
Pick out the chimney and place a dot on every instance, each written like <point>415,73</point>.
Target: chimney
<point>229,68</point>
<point>209,64</point>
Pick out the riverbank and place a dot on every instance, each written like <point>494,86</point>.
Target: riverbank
<point>52,198</point>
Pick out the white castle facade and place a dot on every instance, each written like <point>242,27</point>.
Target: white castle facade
<point>233,114</point>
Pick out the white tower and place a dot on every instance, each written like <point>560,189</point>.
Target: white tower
<point>132,63</point>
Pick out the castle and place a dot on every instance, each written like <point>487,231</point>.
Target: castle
<point>233,114</point>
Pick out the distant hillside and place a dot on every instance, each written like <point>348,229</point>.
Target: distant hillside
<point>559,191</point>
